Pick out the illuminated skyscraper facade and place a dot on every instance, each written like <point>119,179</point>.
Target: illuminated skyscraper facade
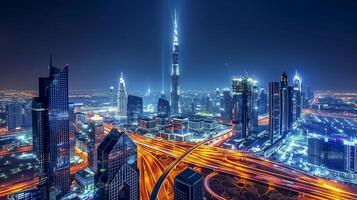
<point>14,116</point>
<point>227,106</point>
<point>297,99</point>
<point>163,108</point>
<point>51,131</point>
<point>274,110</point>
<point>286,105</point>
<point>134,110</point>
<point>245,105</point>
<point>263,101</point>
<point>117,176</point>
<point>121,97</point>
<point>188,186</point>
<point>175,73</point>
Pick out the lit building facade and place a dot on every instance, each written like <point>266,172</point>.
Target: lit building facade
<point>122,97</point>
<point>335,152</point>
<point>274,110</point>
<point>297,99</point>
<point>175,73</point>
<point>14,116</point>
<point>227,106</point>
<point>134,110</point>
<point>286,104</point>
<point>51,131</point>
<point>263,101</point>
<point>163,108</point>
<point>96,135</point>
<point>117,176</point>
<point>180,129</point>
<point>245,105</point>
<point>188,185</point>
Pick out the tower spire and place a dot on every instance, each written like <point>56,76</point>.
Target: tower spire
<point>175,42</point>
<point>175,71</point>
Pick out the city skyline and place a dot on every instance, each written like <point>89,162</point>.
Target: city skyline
<point>227,101</point>
<point>216,41</point>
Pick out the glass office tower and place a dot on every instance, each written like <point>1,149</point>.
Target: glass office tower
<point>51,130</point>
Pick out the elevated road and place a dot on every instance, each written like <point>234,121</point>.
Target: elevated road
<point>167,171</point>
<point>245,165</point>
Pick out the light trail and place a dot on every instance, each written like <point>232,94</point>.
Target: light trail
<point>252,168</point>
<point>157,187</point>
<point>208,188</point>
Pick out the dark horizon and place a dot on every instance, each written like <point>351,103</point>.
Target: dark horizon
<point>100,39</point>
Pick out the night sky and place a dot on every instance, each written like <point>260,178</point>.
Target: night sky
<point>99,39</point>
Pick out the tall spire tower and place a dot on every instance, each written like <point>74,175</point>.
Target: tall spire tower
<point>121,97</point>
<point>175,72</point>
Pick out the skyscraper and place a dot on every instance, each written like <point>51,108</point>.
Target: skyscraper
<point>263,101</point>
<point>51,130</point>
<point>96,135</point>
<point>274,110</point>
<point>14,116</point>
<point>112,95</point>
<point>297,100</point>
<point>175,73</point>
<point>117,176</point>
<point>227,106</point>
<point>188,186</point>
<point>286,93</point>
<point>134,110</point>
<point>245,108</point>
<point>40,140</point>
<point>121,97</point>
<point>163,108</point>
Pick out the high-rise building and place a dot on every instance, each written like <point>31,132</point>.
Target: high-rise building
<point>263,101</point>
<point>188,186</point>
<point>40,140</point>
<point>121,97</point>
<point>309,93</point>
<point>286,95</point>
<point>117,176</point>
<point>274,110</point>
<point>51,131</point>
<point>96,135</point>
<point>297,99</point>
<point>14,115</point>
<point>27,115</point>
<point>245,108</point>
<point>163,108</point>
<point>175,73</point>
<point>227,106</point>
<point>72,127</point>
<point>336,152</point>
<point>134,110</point>
<point>112,95</point>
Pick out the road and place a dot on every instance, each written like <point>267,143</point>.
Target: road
<point>162,178</point>
<point>241,164</point>
<point>21,149</point>
<point>253,168</point>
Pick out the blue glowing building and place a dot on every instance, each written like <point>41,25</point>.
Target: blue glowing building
<point>163,108</point>
<point>188,186</point>
<point>175,73</point>
<point>134,110</point>
<point>51,132</point>
<point>117,176</point>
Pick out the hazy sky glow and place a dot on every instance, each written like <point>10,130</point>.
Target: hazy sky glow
<point>101,38</point>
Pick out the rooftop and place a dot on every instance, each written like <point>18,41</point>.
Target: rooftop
<point>188,176</point>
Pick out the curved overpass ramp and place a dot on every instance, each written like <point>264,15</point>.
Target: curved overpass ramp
<point>167,171</point>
